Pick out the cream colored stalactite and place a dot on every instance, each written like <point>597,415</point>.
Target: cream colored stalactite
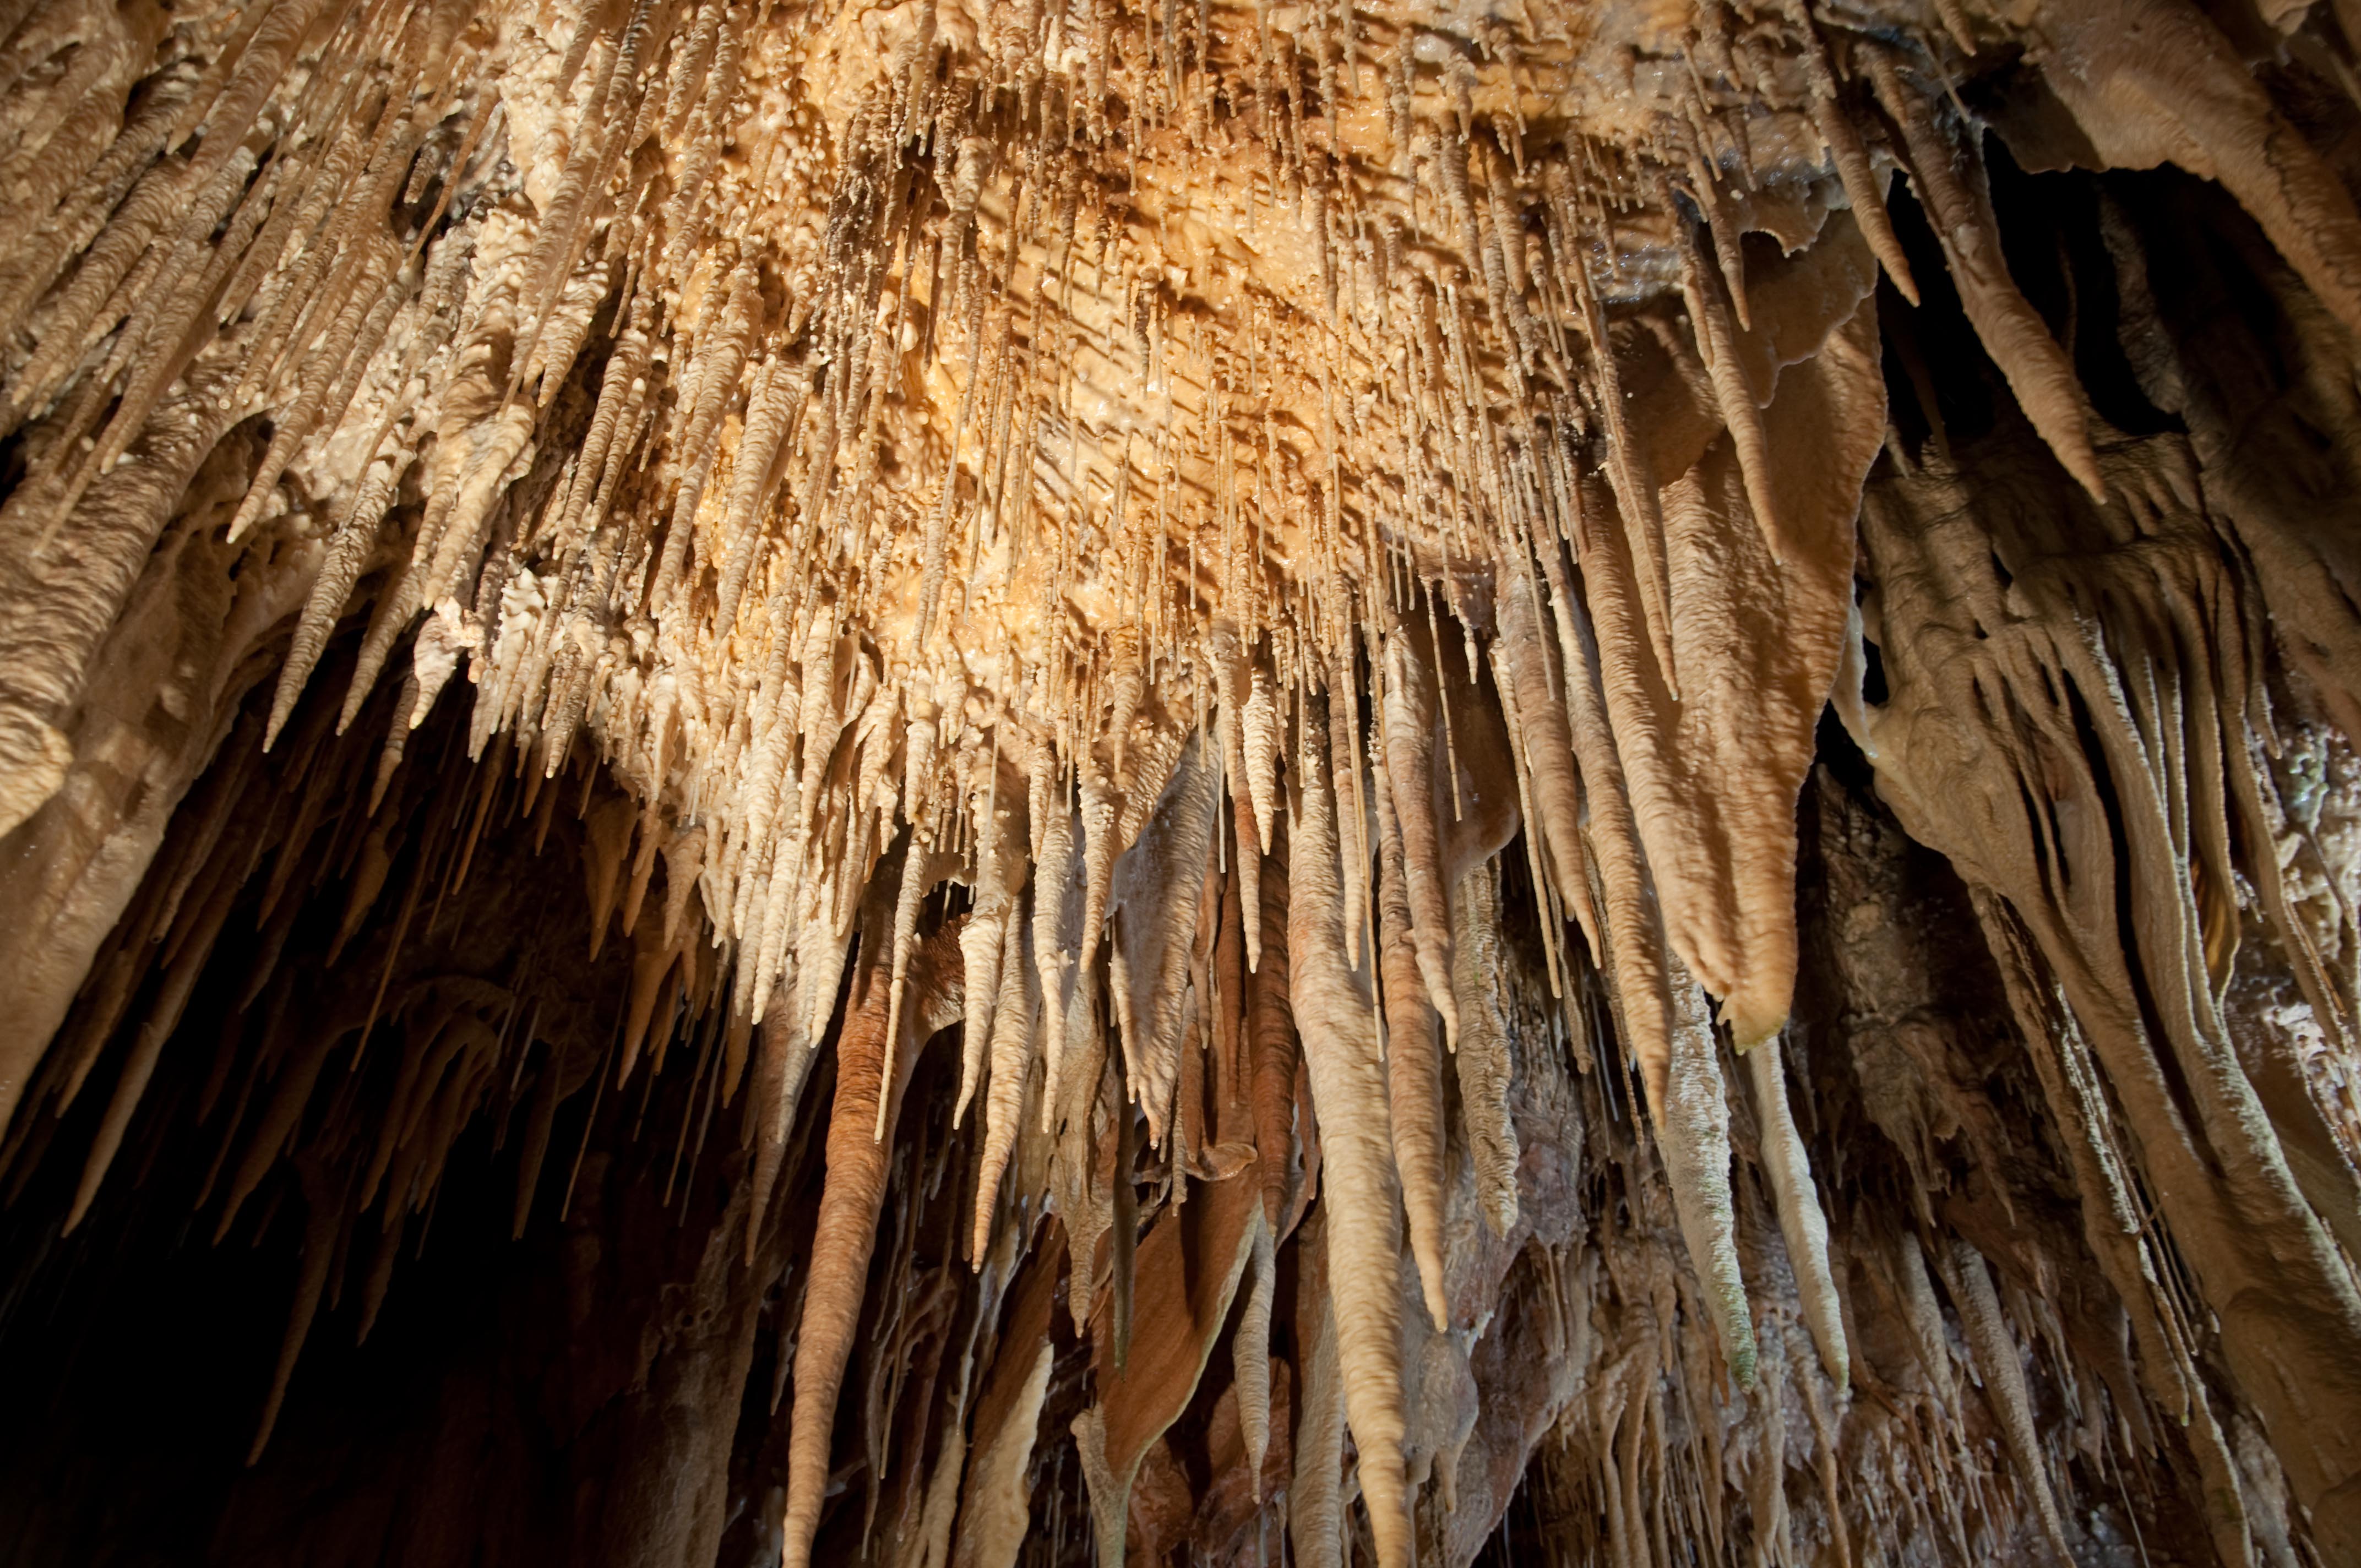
<point>1949,181</point>
<point>1315,1520</point>
<point>1528,669</point>
<point>1714,776</point>
<point>347,555</point>
<point>1102,802</point>
<point>846,1232</point>
<point>1273,1051</point>
<point>919,872</point>
<point>1015,1025</point>
<point>321,402</point>
<point>1057,919</point>
<point>1075,1187</point>
<point>838,684</point>
<point>1801,1225</point>
<point>1634,481</point>
<point>441,295</point>
<point>982,942</point>
<point>1632,930</point>
<point>712,377</point>
<point>621,387</point>
<point>993,1520</point>
<point>929,1545</point>
<point>1250,1352</point>
<point>1259,739</point>
<point>480,446</point>
<point>1335,1015</point>
<point>769,791</point>
<point>767,811</point>
<point>448,635</point>
<point>824,921</point>
<point>1409,723</point>
<point>2003,1375</point>
<point>1413,1066</point>
<point>1153,902</point>
<point>1716,335</point>
<point>1125,688</point>
<point>999,869</point>
<point>1865,186</point>
<point>775,410</point>
<point>1352,809</point>
<point>1229,679</point>
<point>1692,1135</point>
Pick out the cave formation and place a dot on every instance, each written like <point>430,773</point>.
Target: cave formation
<point>1235,784</point>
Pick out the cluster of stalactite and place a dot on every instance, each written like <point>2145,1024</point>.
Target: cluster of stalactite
<point>1275,575</point>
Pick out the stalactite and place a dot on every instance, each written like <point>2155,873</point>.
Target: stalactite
<point>1996,1352</point>
<point>847,1228</point>
<point>1334,1011</point>
<point>1153,902</point>
<point>1315,1513</point>
<point>1413,1066</point>
<point>1949,179</point>
<point>1804,1228</point>
<point>1693,1133</point>
<point>1410,722</point>
<point>896,481</point>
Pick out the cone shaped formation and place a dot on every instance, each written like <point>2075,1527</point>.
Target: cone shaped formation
<point>1364,599</point>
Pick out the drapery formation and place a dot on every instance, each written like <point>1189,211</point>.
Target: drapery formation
<point>1309,578</point>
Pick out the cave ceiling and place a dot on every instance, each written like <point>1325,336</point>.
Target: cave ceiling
<point>1186,783</point>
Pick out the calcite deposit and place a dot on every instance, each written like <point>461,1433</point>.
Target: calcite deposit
<point>987,783</point>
